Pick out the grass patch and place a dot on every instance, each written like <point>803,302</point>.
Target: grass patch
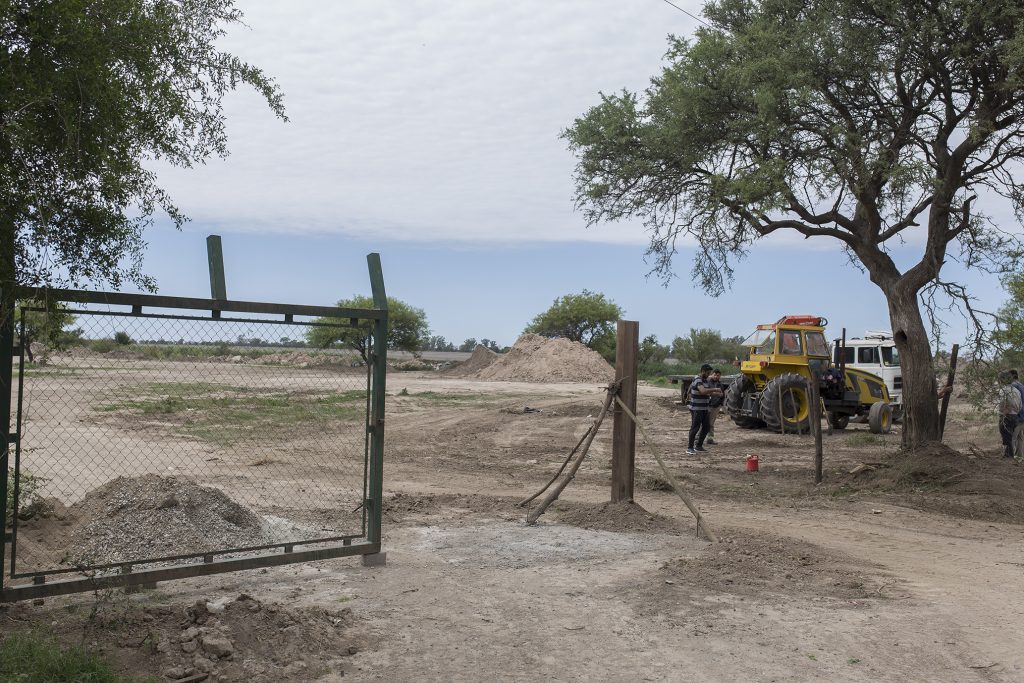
<point>864,439</point>
<point>31,657</point>
<point>224,414</point>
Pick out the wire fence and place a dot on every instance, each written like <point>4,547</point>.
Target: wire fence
<point>156,438</point>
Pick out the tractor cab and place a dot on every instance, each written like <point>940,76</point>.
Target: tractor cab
<point>795,343</point>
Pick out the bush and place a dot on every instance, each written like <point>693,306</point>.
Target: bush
<point>122,339</point>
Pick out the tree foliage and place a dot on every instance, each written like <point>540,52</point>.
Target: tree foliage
<point>92,95</point>
<point>47,323</point>
<point>871,122</point>
<point>587,317</point>
<point>407,328</point>
<point>704,345</point>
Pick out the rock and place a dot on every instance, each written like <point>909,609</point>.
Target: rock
<point>203,664</point>
<point>217,606</point>
<point>217,645</point>
<point>191,633</point>
<point>189,646</point>
<point>169,502</point>
<point>175,672</point>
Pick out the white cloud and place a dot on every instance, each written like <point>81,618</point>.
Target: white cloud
<point>423,120</point>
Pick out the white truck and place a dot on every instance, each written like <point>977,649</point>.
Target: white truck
<point>875,352</point>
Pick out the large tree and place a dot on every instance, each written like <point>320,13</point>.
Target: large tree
<point>92,95</point>
<point>407,328</point>
<point>587,317</point>
<point>874,123</point>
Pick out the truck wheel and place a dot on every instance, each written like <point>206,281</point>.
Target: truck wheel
<point>839,420</point>
<point>738,388</point>
<point>794,404</point>
<point>880,418</point>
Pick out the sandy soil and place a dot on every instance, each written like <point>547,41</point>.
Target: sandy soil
<point>892,575</point>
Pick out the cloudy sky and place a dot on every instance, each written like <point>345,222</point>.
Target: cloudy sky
<point>428,131</point>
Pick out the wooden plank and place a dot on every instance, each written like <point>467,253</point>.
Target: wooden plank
<point>627,346</point>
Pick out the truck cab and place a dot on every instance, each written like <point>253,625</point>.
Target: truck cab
<point>875,352</point>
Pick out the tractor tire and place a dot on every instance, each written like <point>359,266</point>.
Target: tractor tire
<point>734,402</point>
<point>734,395</point>
<point>839,421</point>
<point>880,418</point>
<point>795,406</point>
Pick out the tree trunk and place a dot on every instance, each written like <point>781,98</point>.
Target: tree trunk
<point>920,406</point>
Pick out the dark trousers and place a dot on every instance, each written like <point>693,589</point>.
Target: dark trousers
<point>1007,425</point>
<point>700,425</point>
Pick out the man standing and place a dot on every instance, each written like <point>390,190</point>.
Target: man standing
<point>1018,433</point>
<point>700,398</point>
<point>1010,405</point>
<point>715,403</point>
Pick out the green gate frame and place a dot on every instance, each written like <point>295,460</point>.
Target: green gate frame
<point>280,554</point>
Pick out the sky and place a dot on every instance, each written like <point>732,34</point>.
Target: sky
<point>428,131</point>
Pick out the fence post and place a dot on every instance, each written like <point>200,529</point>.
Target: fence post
<point>379,358</point>
<point>627,343</point>
<point>6,389</point>
<point>215,257</point>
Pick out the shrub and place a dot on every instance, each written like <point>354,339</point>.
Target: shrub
<point>122,339</point>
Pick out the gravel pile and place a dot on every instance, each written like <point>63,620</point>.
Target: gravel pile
<point>153,516</point>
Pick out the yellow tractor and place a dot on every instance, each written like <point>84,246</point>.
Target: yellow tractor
<point>772,388</point>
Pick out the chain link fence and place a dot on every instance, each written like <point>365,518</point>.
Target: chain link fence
<point>155,439</point>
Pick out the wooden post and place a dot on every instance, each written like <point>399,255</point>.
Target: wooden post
<point>949,383</point>
<point>627,351</point>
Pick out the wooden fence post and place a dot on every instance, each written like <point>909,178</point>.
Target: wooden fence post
<point>627,346</point>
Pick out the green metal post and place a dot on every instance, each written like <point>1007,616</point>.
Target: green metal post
<point>7,289</point>
<point>379,357</point>
<point>215,256</point>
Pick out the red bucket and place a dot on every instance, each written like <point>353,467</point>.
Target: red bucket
<point>751,463</point>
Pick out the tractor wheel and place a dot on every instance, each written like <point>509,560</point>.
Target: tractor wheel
<point>839,420</point>
<point>734,395</point>
<point>734,402</point>
<point>784,403</point>
<point>880,418</point>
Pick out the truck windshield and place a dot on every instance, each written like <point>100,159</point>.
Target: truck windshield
<point>890,356</point>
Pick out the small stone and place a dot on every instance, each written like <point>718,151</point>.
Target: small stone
<point>203,664</point>
<point>217,645</point>
<point>352,649</point>
<point>191,633</point>
<point>189,646</point>
<point>175,672</point>
<point>168,502</point>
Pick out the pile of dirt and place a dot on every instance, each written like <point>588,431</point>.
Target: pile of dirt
<point>538,359</point>
<point>153,516</point>
<point>620,517</point>
<point>482,357</point>
<point>226,638</point>
<point>751,564</point>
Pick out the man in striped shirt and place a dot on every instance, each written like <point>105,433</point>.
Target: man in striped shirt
<point>701,392</point>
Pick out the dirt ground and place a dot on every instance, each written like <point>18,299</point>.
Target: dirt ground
<point>907,570</point>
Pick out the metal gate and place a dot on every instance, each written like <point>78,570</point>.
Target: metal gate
<point>154,438</point>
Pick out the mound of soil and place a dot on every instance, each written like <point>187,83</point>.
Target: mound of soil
<point>621,517</point>
<point>538,359</point>
<point>757,564</point>
<point>153,516</point>
<point>482,357</point>
<point>228,638</point>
